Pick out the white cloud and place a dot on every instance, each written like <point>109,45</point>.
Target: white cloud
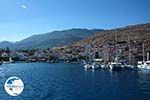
<point>23,6</point>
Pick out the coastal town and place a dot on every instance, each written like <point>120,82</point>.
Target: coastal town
<point>76,54</point>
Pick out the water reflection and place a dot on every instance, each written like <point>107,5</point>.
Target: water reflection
<point>144,82</point>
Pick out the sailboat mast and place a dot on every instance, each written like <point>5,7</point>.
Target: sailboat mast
<point>143,52</point>
<point>129,41</point>
<point>147,56</point>
<point>116,47</point>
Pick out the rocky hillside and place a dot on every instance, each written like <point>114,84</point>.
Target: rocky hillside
<point>136,33</point>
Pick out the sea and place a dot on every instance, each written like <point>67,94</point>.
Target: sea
<point>45,81</point>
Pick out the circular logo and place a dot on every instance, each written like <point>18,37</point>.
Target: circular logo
<point>14,86</point>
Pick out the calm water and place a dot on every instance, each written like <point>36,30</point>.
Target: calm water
<point>72,82</point>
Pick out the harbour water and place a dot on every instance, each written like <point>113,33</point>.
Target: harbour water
<point>45,81</point>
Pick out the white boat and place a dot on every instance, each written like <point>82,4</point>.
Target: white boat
<point>144,65</point>
<point>10,60</point>
<point>7,62</point>
<point>87,66</point>
<point>129,66</point>
<point>147,65</point>
<point>95,65</point>
<point>140,65</point>
<point>104,66</point>
<point>116,66</point>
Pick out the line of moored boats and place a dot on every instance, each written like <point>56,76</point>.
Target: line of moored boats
<point>116,65</point>
<point>142,65</point>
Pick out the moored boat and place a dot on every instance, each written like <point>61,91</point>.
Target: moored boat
<point>7,62</point>
<point>87,66</point>
<point>144,65</point>
<point>116,66</point>
<point>129,66</point>
<point>95,65</point>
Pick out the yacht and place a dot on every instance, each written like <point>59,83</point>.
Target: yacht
<point>144,65</point>
<point>140,65</point>
<point>116,66</point>
<point>129,66</point>
<point>147,65</point>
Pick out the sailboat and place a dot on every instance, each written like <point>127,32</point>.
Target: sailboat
<point>147,63</point>
<point>144,65</point>
<point>116,65</point>
<point>129,66</point>
<point>87,63</point>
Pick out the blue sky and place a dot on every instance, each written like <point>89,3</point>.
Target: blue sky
<point>22,18</point>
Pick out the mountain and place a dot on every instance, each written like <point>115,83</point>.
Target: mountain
<point>51,39</point>
<point>80,37</point>
<point>137,33</point>
<point>5,44</point>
